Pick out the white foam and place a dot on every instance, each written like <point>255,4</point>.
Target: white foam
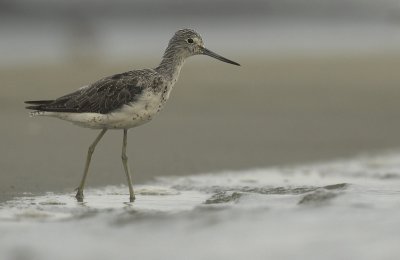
<point>337,210</point>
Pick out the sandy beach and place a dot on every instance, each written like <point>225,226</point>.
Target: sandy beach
<point>346,209</point>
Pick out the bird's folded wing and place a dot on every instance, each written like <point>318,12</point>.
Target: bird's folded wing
<point>103,96</point>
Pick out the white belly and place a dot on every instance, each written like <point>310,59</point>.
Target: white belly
<point>131,115</point>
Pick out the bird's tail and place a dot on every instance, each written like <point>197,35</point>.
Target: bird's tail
<point>37,106</point>
<point>39,102</point>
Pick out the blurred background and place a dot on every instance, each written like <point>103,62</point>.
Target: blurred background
<point>319,81</point>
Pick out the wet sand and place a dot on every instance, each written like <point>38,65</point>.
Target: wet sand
<point>345,209</point>
<point>271,111</point>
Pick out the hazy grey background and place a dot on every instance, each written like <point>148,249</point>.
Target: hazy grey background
<point>48,30</point>
<point>319,81</point>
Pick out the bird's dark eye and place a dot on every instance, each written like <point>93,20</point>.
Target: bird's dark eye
<point>190,40</point>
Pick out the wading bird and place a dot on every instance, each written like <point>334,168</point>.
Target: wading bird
<point>125,100</point>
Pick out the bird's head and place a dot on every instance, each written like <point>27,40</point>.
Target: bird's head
<point>187,42</point>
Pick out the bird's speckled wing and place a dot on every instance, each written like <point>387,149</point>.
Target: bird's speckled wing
<point>103,96</point>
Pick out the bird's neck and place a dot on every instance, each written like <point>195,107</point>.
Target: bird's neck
<point>171,64</point>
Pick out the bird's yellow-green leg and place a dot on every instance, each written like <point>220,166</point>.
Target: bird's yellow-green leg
<point>126,166</point>
<point>79,194</point>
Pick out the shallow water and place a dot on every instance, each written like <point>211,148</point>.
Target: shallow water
<point>337,210</point>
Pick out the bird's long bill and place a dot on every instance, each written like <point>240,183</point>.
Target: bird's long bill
<point>218,57</point>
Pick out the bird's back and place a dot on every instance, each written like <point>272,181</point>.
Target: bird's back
<point>103,96</point>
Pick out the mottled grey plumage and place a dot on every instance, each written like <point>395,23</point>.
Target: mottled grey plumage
<point>125,100</point>
<point>103,96</point>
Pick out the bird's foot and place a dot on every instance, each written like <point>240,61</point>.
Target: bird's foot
<point>79,195</point>
<point>132,198</point>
